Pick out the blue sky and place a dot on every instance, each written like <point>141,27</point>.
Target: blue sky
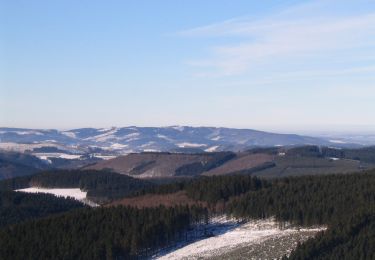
<point>273,65</point>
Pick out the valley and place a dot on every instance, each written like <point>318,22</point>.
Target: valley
<point>229,239</point>
<point>184,203</point>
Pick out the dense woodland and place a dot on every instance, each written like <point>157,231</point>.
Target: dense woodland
<point>101,186</point>
<point>101,233</point>
<point>345,203</point>
<point>16,207</point>
<point>210,189</point>
<point>365,155</point>
<point>351,238</point>
<point>309,200</point>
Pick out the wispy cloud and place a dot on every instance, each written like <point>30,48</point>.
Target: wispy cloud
<point>304,33</point>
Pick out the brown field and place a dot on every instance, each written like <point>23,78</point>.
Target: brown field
<point>242,162</point>
<point>150,164</point>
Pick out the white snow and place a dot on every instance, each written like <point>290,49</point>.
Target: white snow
<point>179,128</point>
<point>59,192</point>
<point>242,234</point>
<point>151,150</point>
<point>10,146</point>
<point>105,136</point>
<point>69,156</point>
<point>74,193</point>
<point>216,138</point>
<point>45,156</point>
<point>104,129</point>
<point>118,146</point>
<point>28,133</point>
<point>164,137</point>
<point>130,135</point>
<point>105,157</point>
<point>147,144</point>
<point>192,145</point>
<point>337,141</point>
<point>212,149</point>
<point>69,134</point>
<point>132,139</point>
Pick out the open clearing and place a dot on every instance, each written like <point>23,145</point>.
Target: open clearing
<point>72,193</point>
<point>261,239</point>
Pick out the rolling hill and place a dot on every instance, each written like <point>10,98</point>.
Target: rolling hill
<point>270,162</point>
<point>13,164</point>
<point>120,140</point>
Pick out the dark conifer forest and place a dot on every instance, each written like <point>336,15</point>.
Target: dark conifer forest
<point>16,207</point>
<point>101,186</point>
<point>344,203</point>
<point>102,233</point>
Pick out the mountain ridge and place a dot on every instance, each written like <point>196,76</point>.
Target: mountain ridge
<point>158,139</point>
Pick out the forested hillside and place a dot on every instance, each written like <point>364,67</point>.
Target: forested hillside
<point>16,207</point>
<point>14,164</point>
<point>309,200</point>
<point>101,186</point>
<point>352,238</point>
<point>344,202</point>
<point>102,233</point>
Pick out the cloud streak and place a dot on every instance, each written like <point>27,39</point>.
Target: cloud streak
<point>302,34</point>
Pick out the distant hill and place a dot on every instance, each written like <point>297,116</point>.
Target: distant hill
<point>120,140</point>
<point>164,164</point>
<point>266,162</point>
<point>13,164</point>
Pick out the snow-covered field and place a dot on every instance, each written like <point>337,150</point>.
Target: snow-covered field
<point>73,193</point>
<point>234,236</point>
<point>45,156</point>
<point>190,145</point>
<point>212,148</point>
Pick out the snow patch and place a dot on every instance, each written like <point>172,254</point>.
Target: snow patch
<point>164,137</point>
<point>151,150</point>
<point>104,129</point>
<point>212,149</point>
<point>118,146</point>
<point>105,157</point>
<point>28,133</point>
<point>240,235</point>
<point>337,141</point>
<point>190,145</point>
<point>45,156</point>
<point>69,134</point>
<point>130,135</point>
<point>72,193</point>
<point>105,136</point>
<point>178,128</point>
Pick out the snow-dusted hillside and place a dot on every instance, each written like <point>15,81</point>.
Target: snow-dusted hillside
<point>60,192</point>
<point>122,140</point>
<point>227,236</point>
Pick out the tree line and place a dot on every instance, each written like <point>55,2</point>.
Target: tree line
<point>16,207</point>
<point>101,186</point>
<point>345,203</point>
<point>100,233</point>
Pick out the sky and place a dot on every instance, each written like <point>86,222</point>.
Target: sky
<point>271,65</point>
